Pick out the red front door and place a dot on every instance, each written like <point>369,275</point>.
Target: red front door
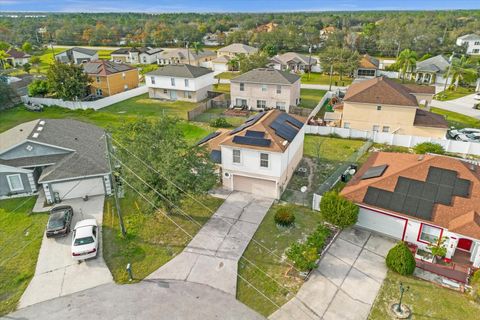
<point>464,244</point>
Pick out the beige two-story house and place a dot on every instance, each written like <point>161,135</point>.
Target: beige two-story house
<point>265,88</point>
<point>383,105</point>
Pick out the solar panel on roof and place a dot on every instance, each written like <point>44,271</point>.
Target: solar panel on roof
<point>384,198</point>
<point>250,122</point>
<point>448,177</point>
<point>294,121</point>
<point>208,137</point>
<point>429,191</point>
<point>424,209</point>
<point>371,196</point>
<point>397,201</point>
<point>255,134</point>
<point>374,172</point>
<point>444,195</point>
<point>259,142</point>
<point>287,133</point>
<point>416,188</point>
<point>434,175</point>
<point>410,205</point>
<point>402,185</point>
<point>461,188</point>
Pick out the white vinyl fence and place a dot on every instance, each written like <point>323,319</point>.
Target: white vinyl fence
<point>98,104</point>
<point>401,140</point>
<point>315,110</point>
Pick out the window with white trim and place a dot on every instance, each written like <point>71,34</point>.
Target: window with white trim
<point>279,89</point>
<point>386,129</point>
<point>236,156</point>
<point>172,81</point>
<point>376,128</point>
<point>429,233</point>
<point>280,105</point>
<point>152,79</point>
<point>261,104</point>
<point>186,82</point>
<point>15,182</point>
<point>264,160</point>
<point>264,87</point>
<point>242,86</point>
<point>97,79</point>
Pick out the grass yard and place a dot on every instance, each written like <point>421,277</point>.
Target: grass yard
<point>47,58</point>
<point>322,78</point>
<point>426,300</point>
<point>222,87</point>
<point>458,120</point>
<point>21,235</point>
<point>329,148</point>
<point>310,97</point>
<point>215,113</point>
<point>227,75</point>
<point>152,239</point>
<point>276,239</point>
<point>104,54</point>
<point>451,94</point>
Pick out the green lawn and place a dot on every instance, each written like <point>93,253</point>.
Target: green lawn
<point>426,300</point>
<point>310,97</point>
<point>328,148</point>
<point>227,75</point>
<point>276,239</point>
<point>152,239</point>
<point>321,78</point>
<point>20,239</point>
<point>104,54</point>
<point>112,116</point>
<point>215,113</point>
<point>458,120</point>
<point>451,94</point>
<point>222,87</point>
<point>47,58</point>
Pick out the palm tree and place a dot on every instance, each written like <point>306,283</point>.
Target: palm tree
<point>197,47</point>
<point>462,69</point>
<point>406,60</point>
<point>233,63</point>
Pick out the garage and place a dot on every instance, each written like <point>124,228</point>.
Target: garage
<point>79,188</point>
<point>381,222</point>
<point>261,187</point>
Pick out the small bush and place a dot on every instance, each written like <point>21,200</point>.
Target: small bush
<point>475,283</point>
<point>303,256</point>
<point>400,259</point>
<point>220,123</point>
<point>317,238</point>
<point>428,147</point>
<point>284,216</point>
<point>338,210</point>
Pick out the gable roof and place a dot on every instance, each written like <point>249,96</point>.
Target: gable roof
<point>17,54</point>
<point>419,88</point>
<point>182,54</point>
<point>368,62</point>
<point>181,71</point>
<point>238,48</point>
<point>460,216</point>
<point>425,118</point>
<point>146,50</point>
<point>293,56</point>
<point>268,76</point>
<point>471,36</point>
<point>16,135</point>
<point>105,68</point>
<point>434,64</point>
<point>381,90</point>
<point>86,51</point>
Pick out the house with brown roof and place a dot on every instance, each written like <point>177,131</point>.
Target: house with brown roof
<point>293,61</point>
<point>384,105</point>
<point>368,67</point>
<point>261,155</point>
<point>421,199</point>
<point>16,57</point>
<point>109,78</point>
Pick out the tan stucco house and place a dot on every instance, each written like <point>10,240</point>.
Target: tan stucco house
<point>265,88</point>
<point>109,78</point>
<point>186,56</point>
<point>383,105</point>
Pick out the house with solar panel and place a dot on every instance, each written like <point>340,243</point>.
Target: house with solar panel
<point>264,89</point>
<point>261,155</point>
<point>422,199</point>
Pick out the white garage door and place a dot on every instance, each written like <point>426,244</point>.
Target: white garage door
<point>220,67</point>
<point>382,223</point>
<point>264,188</point>
<point>79,188</point>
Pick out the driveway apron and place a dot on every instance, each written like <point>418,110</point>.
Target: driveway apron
<point>212,256</point>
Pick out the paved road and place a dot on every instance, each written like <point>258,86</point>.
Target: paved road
<point>212,256</point>
<point>462,105</point>
<point>346,282</point>
<point>155,299</point>
<point>56,273</point>
<point>303,85</point>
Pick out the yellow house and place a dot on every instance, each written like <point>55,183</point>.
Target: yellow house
<point>109,78</point>
<point>383,105</point>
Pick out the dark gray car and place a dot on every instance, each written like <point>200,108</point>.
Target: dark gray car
<point>59,221</point>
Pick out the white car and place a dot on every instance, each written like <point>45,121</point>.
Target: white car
<point>472,137</point>
<point>455,133</point>
<point>85,240</point>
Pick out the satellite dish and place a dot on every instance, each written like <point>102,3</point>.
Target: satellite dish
<point>303,189</point>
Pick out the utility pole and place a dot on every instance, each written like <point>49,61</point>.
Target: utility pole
<point>331,75</point>
<point>309,61</point>
<point>114,182</point>
<point>188,51</point>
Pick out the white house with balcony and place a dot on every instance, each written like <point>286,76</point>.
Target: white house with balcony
<point>471,42</point>
<point>261,155</point>
<point>180,82</point>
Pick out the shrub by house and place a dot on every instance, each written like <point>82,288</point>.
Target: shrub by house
<point>400,259</point>
<point>337,210</point>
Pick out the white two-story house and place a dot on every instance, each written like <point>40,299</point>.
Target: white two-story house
<point>143,55</point>
<point>180,82</point>
<point>261,155</point>
<point>471,42</point>
<point>265,88</point>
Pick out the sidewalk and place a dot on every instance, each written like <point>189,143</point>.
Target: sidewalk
<point>212,256</point>
<point>463,105</point>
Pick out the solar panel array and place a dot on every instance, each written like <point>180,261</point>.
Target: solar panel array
<point>417,198</point>
<point>375,172</point>
<point>250,122</point>
<point>251,141</point>
<point>255,134</point>
<point>208,137</point>
<point>286,126</point>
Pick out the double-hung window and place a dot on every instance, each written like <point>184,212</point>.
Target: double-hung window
<point>279,89</point>
<point>152,79</point>
<point>261,104</point>
<point>186,83</point>
<point>264,160</point>
<point>264,87</point>
<point>430,234</point>
<point>242,86</point>
<point>15,182</point>
<point>236,156</point>
<point>172,81</point>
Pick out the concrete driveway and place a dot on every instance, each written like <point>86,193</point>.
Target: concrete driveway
<point>155,299</point>
<point>346,282</point>
<point>56,273</point>
<point>212,256</point>
<point>463,105</point>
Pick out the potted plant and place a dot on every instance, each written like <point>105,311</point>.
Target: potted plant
<point>439,250</point>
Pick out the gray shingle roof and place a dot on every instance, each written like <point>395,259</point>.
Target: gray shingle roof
<point>471,36</point>
<point>267,76</point>
<point>434,64</point>
<point>238,48</point>
<point>297,57</point>
<point>146,50</point>
<point>181,71</point>
<point>103,67</point>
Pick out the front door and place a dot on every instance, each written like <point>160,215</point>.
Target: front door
<point>464,244</point>
<point>173,95</point>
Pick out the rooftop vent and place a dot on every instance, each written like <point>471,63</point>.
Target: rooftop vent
<point>35,135</point>
<point>472,167</point>
<point>420,157</point>
<point>39,128</point>
<point>42,123</point>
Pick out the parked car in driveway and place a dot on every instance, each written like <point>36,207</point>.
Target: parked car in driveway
<point>469,137</point>
<point>59,221</point>
<point>454,133</point>
<point>85,240</point>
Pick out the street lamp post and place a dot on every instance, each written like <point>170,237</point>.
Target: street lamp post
<point>402,290</point>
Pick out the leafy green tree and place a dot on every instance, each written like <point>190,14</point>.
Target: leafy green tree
<point>406,61</point>
<point>161,144</point>
<point>253,61</point>
<point>428,147</point>
<point>3,59</point>
<point>400,259</point>
<point>233,64</point>
<point>8,96</point>
<point>197,47</point>
<point>4,46</point>
<point>27,47</point>
<point>38,88</point>
<point>270,50</point>
<point>35,61</point>
<point>338,210</point>
<point>67,81</point>
<point>27,67</point>
<point>463,70</point>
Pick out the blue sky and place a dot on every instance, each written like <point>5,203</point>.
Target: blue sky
<point>230,5</point>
